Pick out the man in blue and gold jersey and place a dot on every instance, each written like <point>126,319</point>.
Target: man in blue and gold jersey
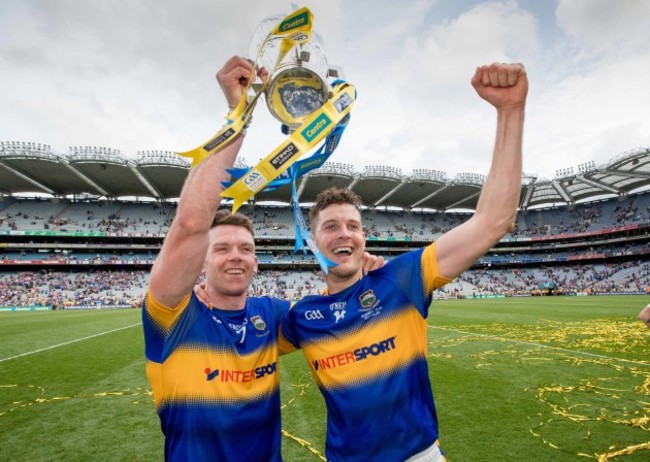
<point>366,339</point>
<point>213,365</point>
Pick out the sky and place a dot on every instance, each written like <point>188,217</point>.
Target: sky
<point>140,75</point>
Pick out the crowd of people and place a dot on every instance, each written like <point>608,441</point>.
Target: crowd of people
<point>93,218</point>
<point>277,221</point>
<point>61,289</point>
<point>614,278</point>
<point>584,218</point>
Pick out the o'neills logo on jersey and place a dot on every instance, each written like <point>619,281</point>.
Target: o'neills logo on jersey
<point>359,354</point>
<point>338,308</point>
<point>230,375</point>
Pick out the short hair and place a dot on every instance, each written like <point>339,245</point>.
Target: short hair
<point>333,196</point>
<point>226,217</point>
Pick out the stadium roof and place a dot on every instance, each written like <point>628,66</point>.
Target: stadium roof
<point>104,172</point>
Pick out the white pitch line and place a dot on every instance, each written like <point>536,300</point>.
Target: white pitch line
<point>584,353</point>
<point>68,343</point>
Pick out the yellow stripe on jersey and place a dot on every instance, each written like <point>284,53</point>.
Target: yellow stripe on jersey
<point>162,316</point>
<point>154,375</point>
<point>211,376</point>
<point>386,346</point>
<point>431,279</point>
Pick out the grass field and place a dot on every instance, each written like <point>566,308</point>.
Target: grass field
<point>530,379</point>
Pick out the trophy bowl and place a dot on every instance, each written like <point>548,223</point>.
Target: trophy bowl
<point>298,83</point>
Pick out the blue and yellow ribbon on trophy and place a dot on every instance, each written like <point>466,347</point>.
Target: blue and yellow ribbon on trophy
<point>296,94</point>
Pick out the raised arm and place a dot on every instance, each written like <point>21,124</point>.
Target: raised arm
<point>184,249</point>
<point>505,87</point>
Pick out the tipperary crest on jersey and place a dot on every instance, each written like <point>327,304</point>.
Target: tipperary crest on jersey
<point>367,299</point>
<point>258,322</point>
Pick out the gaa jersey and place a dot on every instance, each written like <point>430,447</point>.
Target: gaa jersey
<point>215,378</point>
<point>367,347</point>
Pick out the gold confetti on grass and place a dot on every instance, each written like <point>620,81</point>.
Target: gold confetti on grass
<point>624,452</point>
<point>43,399</point>
<point>304,443</point>
<point>604,344</point>
<point>304,382</point>
<point>603,335</point>
<point>596,400</point>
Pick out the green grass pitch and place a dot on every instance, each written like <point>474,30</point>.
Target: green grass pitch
<point>518,379</point>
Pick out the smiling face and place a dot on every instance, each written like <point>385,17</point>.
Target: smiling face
<point>339,235</point>
<point>230,263</point>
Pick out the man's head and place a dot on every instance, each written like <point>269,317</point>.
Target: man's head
<point>226,217</point>
<point>336,227</point>
<point>230,263</point>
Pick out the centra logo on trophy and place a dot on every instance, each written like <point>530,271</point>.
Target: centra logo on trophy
<point>299,78</point>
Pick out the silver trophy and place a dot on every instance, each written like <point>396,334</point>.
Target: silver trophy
<point>299,82</point>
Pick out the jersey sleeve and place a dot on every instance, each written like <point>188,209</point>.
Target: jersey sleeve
<point>431,278</point>
<point>287,342</point>
<point>161,325</point>
<point>403,271</point>
<point>282,308</point>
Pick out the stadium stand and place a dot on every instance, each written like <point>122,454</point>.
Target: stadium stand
<point>71,241</point>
